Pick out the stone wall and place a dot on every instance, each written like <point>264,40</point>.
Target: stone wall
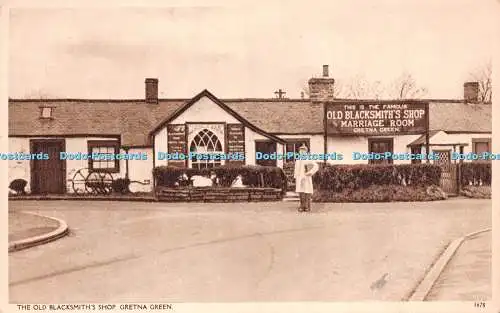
<point>217,194</point>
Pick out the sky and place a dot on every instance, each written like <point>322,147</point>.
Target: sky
<point>246,50</point>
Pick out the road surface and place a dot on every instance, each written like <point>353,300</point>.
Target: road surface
<point>176,252</point>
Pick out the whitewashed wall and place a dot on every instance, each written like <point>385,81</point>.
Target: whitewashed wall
<point>205,110</point>
<point>139,170</point>
<point>161,145</point>
<point>19,169</point>
<point>400,146</point>
<point>346,146</point>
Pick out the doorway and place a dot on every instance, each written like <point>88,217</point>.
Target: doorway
<point>48,176</point>
<point>267,148</point>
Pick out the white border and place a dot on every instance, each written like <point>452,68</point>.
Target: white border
<point>289,307</point>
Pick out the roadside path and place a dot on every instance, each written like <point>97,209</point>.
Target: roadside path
<point>468,275</point>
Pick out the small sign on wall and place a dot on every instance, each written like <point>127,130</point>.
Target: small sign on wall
<point>177,143</point>
<point>235,141</point>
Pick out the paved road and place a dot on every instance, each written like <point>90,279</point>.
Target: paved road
<point>468,275</point>
<point>153,252</point>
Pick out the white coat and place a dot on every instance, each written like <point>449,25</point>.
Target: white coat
<point>303,182</point>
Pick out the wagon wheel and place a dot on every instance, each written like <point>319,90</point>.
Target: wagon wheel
<point>78,181</point>
<point>99,183</point>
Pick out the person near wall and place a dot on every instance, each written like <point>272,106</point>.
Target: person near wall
<point>304,170</point>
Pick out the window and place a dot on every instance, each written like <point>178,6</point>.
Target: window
<point>294,145</point>
<point>205,142</point>
<point>380,145</point>
<point>481,145</point>
<point>416,150</point>
<point>46,112</point>
<point>106,162</point>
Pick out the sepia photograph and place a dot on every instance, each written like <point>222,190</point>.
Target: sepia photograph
<point>302,151</point>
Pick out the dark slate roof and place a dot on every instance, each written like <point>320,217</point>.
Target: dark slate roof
<point>134,119</point>
<point>281,117</point>
<point>460,117</point>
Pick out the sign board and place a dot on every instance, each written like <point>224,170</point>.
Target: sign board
<point>235,140</point>
<point>376,118</point>
<point>177,143</point>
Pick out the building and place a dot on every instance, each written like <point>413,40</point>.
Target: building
<point>149,127</point>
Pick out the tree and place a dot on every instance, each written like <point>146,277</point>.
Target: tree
<point>360,88</point>
<point>405,87</point>
<point>483,76</point>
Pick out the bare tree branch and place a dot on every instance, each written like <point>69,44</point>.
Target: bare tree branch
<point>403,87</point>
<point>483,76</point>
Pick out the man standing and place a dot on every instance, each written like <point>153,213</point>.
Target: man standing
<point>304,170</point>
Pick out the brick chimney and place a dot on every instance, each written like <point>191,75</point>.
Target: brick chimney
<point>151,90</point>
<point>471,91</point>
<point>321,88</point>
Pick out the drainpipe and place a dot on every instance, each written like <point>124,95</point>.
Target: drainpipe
<point>126,162</point>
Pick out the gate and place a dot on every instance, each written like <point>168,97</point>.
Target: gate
<point>449,172</point>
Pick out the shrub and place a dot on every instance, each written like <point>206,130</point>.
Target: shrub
<point>436,192</point>
<point>475,174</point>
<point>478,192</point>
<point>18,186</point>
<point>377,193</point>
<point>252,175</point>
<point>340,177</point>
<point>121,185</point>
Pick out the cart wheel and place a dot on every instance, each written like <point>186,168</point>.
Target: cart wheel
<point>99,183</point>
<point>79,180</point>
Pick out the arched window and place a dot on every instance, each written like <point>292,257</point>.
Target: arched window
<point>205,142</point>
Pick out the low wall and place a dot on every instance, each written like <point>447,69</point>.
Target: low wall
<point>217,194</point>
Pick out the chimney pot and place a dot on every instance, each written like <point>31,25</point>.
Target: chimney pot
<point>151,90</point>
<point>325,71</point>
<point>471,91</point>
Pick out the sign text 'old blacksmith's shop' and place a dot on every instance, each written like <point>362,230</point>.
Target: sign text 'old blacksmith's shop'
<point>376,118</point>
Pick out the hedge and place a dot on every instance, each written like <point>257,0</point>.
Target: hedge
<point>475,174</point>
<point>381,193</point>
<point>252,176</point>
<point>339,177</point>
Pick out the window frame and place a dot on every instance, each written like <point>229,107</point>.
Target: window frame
<point>51,112</point>
<point>296,142</point>
<point>416,150</point>
<point>475,141</point>
<point>103,144</point>
<point>204,164</point>
<point>389,140</point>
